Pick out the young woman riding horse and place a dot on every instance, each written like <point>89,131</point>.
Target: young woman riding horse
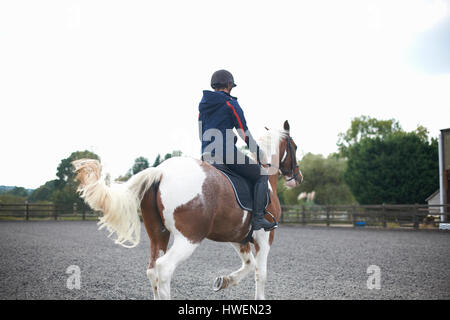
<point>192,201</point>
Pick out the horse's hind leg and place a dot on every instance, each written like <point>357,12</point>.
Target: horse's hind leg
<point>248,264</point>
<point>181,249</point>
<point>262,247</point>
<point>158,234</point>
<point>158,245</point>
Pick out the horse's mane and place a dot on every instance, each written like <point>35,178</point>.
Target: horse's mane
<point>270,142</point>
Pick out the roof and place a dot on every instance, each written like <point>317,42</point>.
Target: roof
<point>433,195</point>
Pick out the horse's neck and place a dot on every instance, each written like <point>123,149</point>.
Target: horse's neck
<point>275,208</point>
<point>273,179</point>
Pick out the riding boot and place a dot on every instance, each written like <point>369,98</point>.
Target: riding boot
<point>259,204</point>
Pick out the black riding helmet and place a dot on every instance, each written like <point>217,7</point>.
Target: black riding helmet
<point>221,79</point>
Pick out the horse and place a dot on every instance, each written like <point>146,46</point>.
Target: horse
<point>191,200</point>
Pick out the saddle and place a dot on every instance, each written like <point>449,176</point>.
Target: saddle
<point>243,188</point>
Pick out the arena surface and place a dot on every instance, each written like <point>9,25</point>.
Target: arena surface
<point>304,263</point>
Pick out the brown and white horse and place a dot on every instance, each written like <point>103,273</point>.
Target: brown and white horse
<point>191,200</point>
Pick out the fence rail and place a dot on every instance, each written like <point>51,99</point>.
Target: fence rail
<point>384,216</point>
<point>415,216</point>
<point>29,211</point>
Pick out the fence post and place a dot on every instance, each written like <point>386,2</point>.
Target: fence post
<point>303,215</point>
<point>328,216</point>
<point>74,209</point>
<point>415,217</point>
<point>27,211</point>
<point>55,214</point>
<point>353,215</point>
<point>384,215</point>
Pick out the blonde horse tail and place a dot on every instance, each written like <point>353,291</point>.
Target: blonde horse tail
<point>119,203</point>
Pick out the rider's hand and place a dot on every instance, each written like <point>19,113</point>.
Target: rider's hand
<point>261,156</point>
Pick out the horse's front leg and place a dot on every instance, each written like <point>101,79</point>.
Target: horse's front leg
<point>248,264</point>
<point>262,248</point>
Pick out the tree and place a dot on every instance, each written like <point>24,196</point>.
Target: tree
<point>10,198</point>
<point>366,127</point>
<point>157,161</point>
<point>325,177</point>
<point>65,193</point>
<point>175,153</point>
<point>44,192</point>
<point>140,164</point>
<point>397,168</point>
<point>125,177</point>
<point>65,172</point>
<point>66,196</point>
<point>18,191</point>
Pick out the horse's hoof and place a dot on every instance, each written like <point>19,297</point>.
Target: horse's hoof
<point>218,284</point>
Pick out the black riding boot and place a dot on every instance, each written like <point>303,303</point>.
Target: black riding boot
<point>259,203</point>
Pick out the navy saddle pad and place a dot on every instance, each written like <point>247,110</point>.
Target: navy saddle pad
<point>243,189</point>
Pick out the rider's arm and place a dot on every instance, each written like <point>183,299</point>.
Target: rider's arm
<point>241,126</point>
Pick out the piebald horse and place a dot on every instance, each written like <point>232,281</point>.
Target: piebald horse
<point>191,200</point>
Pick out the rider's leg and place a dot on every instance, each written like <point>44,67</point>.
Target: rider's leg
<point>259,204</point>
<point>258,175</point>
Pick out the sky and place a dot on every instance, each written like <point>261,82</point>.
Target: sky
<point>124,78</point>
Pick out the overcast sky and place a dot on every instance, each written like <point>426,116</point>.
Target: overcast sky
<point>124,78</point>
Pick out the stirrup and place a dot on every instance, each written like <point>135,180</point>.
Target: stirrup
<point>272,228</point>
<point>264,224</point>
<point>274,220</point>
<point>267,212</point>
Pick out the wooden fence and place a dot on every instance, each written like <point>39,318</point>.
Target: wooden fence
<point>383,216</point>
<point>32,211</point>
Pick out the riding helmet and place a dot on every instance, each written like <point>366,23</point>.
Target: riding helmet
<point>222,78</point>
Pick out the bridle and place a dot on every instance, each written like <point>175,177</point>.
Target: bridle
<point>294,164</point>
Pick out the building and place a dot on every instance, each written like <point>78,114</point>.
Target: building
<point>444,171</point>
<point>434,199</point>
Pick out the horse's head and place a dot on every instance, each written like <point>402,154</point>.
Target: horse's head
<point>288,164</point>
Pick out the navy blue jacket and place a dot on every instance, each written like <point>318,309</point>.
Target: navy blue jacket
<point>221,111</point>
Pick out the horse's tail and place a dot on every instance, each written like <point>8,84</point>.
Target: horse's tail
<point>119,203</point>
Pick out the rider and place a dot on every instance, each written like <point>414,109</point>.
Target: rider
<point>220,111</point>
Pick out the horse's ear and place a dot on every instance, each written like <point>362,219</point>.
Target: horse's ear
<point>286,126</point>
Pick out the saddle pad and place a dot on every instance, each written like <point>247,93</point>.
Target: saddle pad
<point>243,189</point>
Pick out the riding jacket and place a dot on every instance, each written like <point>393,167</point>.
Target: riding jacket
<point>221,111</point>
